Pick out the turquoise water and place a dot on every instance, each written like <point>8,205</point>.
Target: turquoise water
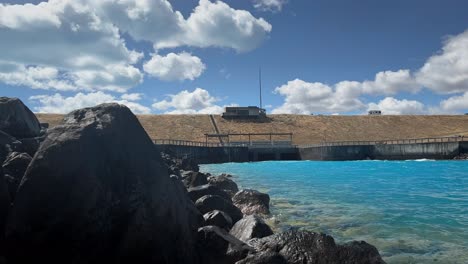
<point>412,211</point>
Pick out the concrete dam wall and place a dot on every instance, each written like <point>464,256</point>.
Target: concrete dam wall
<point>439,150</point>
<point>206,155</point>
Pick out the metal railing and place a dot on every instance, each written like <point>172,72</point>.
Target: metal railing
<point>253,144</point>
<point>288,144</point>
<point>389,142</point>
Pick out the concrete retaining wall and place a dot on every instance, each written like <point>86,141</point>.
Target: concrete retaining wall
<point>206,155</point>
<point>445,150</point>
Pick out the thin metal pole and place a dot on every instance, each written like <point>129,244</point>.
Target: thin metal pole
<point>260,82</point>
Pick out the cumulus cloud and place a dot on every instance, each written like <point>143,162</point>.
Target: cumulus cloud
<point>132,96</point>
<point>58,103</point>
<point>78,43</point>
<point>305,98</point>
<point>269,5</point>
<point>392,106</point>
<point>216,24</point>
<point>199,101</point>
<point>447,72</point>
<point>454,103</point>
<point>172,67</point>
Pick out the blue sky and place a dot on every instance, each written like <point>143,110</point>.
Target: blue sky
<point>317,56</point>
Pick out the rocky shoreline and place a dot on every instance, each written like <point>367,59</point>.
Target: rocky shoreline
<point>95,190</point>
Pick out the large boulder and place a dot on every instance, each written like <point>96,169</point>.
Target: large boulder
<point>249,227</point>
<point>252,202</point>
<point>97,191</point>
<point>213,245</point>
<point>197,192</point>
<point>17,120</point>
<point>193,178</point>
<point>4,208</point>
<point>298,247</point>
<point>209,203</point>
<point>8,144</point>
<point>224,183</point>
<point>218,218</point>
<point>14,167</point>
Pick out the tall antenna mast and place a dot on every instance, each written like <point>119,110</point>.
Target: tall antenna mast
<point>260,82</point>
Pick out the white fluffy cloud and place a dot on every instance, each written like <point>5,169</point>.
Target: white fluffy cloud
<point>57,103</point>
<point>305,98</point>
<point>455,103</point>
<point>172,67</point>
<point>199,101</point>
<point>132,96</point>
<point>80,50</point>
<point>269,5</point>
<point>392,106</point>
<point>78,43</point>
<point>447,72</point>
<point>216,24</point>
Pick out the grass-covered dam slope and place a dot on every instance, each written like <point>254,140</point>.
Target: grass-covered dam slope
<point>307,129</point>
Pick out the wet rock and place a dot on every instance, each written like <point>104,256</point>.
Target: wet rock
<point>224,183</point>
<point>196,193</point>
<point>219,219</point>
<point>14,167</point>
<point>249,227</point>
<point>252,202</point>
<point>17,120</point>
<point>299,247</point>
<point>209,203</point>
<point>194,179</point>
<point>97,191</point>
<point>213,243</point>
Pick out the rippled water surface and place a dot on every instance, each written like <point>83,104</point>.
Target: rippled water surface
<point>412,211</point>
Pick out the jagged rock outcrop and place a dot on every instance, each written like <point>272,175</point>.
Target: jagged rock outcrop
<point>17,120</point>
<point>219,219</point>
<point>224,183</point>
<point>209,203</point>
<point>249,227</point>
<point>298,247</point>
<point>196,193</point>
<point>97,191</point>
<point>14,168</point>
<point>252,202</point>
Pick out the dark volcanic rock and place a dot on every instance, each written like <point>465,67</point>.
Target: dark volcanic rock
<point>209,203</point>
<point>15,166</point>
<point>8,144</point>
<point>97,191</point>
<point>252,202</point>
<point>218,218</point>
<point>224,183</point>
<point>213,243</point>
<point>187,164</point>
<point>4,208</point>
<point>299,247</point>
<point>264,258</point>
<point>196,193</point>
<point>17,120</point>
<point>31,145</point>
<point>194,179</point>
<point>249,227</point>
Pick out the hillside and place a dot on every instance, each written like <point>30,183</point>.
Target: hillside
<point>307,129</point>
